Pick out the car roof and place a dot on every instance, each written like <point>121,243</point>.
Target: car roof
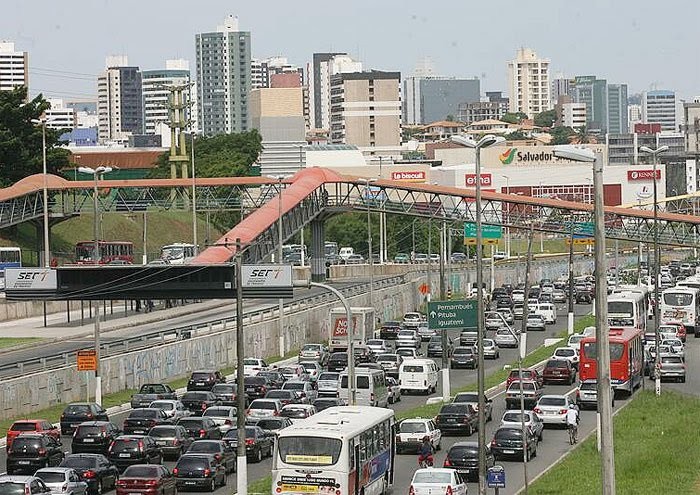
<point>29,421</point>
<point>465,444</point>
<point>13,478</point>
<point>554,396</point>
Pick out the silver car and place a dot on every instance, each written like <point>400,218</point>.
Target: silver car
<point>62,480</point>
<point>393,389</point>
<point>224,417</point>
<point>587,394</point>
<point>536,322</point>
<point>676,346</point>
<point>424,332</point>
<point>408,338</point>
<point>313,352</point>
<point>493,321</point>
<point>512,419</point>
<point>412,319</point>
<point>504,338</point>
<point>17,484</point>
<point>672,368</point>
<point>377,346</point>
<point>173,409</point>
<point>491,350</point>
<point>327,384</point>
<point>390,363</point>
<point>552,409</point>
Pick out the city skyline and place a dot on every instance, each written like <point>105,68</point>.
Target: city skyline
<point>67,47</point>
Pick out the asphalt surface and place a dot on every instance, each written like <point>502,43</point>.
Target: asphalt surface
<point>554,444</point>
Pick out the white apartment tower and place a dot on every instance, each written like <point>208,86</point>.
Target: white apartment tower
<point>326,65</point>
<point>14,67</point>
<point>119,101</point>
<point>659,107</point>
<point>528,83</point>
<point>155,86</point>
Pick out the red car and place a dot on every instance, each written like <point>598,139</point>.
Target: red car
<point>559,371</point>
<point>32,426</point>
<point>149,479</point>
<point>528,374</point>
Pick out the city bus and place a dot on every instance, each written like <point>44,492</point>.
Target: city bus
<point>344,450</point>
<point>628,308</point>
<point>178,253</point>
<point>681,304</point>
<point>10,257</point>
<point>111,252</point>
<point>626,359</point>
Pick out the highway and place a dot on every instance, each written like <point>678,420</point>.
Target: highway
<point>406,464</point>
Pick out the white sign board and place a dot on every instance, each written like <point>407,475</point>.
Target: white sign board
<point>264,276</point>
<point>30,279</point>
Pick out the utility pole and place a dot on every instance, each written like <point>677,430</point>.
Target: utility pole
<point>445,359</point>
<point>242,468</point>
<point>570,322</point>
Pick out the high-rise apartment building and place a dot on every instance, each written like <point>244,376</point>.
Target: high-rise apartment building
<point>223,79</point>
<point>618,118</point>
<point>14,67</point>
<point>156,86</point>
<point>561,86</point>
<point>60,116</point>
<point>366,110</point>
<point>528,83</point>
<point>494,108</point>
<point>326,65</point>
<point>570,113</point>
<point>659,107</point>
<point>119,101</point>
<point>263,70</point>
<point>431,99</point>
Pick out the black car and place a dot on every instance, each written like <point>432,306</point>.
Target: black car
<point>275,378</point>
<point>173,440</point>
<point>435,346</point>
<point>326,402</point>
<point>140,421</point>
<point>284,396</point>
<point>198,402</point>
<point>204,380</point>
<point>221,451</point>
<point>272,425</point>
<point>338,361</point>
<point>94,437</point>
<point>79,412</point>
<point>95,470</point>
<point>127,450</point>
<point>463,457</point>
<point>256,386</point>
<point>457,418</point>
<point>504,301</point>
<point>227,393</point>
<point>32,451</point>
<point>258,444</point>
<point>508,442</point>
<point>198,471</point>
<point>464,357</point>
<point>389,330</point>
<point>200,428</point>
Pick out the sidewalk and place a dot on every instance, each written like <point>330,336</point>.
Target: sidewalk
<point>58,328</point>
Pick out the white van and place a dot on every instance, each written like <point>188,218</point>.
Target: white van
<point>548,311</point>
<point>418,375</point>
<point>346,252</point>
<point>370,389</point>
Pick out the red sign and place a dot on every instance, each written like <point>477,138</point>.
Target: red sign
<point>633,175</point>
<point>470,180</point>
<point>409,176</point>
<point>424,289</point>
<point>340,326</point>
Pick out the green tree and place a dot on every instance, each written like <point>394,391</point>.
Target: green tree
<point>561,134</point>
<point>546,118</point>
<point>514,118</point>
<point>450,118</point>
<point>517,136</point>
<point>21,139</point>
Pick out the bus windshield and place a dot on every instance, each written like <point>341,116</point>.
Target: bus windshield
<point>309,451</point>
<point>620,308</point>
<point>590,350</point>
<point>678,299</point>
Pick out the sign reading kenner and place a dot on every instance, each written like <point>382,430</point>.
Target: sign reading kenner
<point>263,276</point>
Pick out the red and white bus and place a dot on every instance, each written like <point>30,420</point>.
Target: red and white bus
<point>111,252</point>
<point>628,308</point>
<point>626,359</point>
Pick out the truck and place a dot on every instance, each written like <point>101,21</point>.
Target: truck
<point>362,323</point>
<point>150,392</point>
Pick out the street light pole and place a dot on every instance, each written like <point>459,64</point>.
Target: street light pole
<point>279,261</point>
<point>369,242</point>
<point>657,265</point>
<point>96,173</point>
<point>507,178</point>
<point>45,191</point>
<point>571,280</point>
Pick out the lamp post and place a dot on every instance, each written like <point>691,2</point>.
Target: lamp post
<point>601,315</point>
<point>194,199</point>
<point>96,174</point>
<point>657,259</point>
<point>369,243</point>
<point>45,190</point>
<point>507,178</point>
<point>484,142</point>
<point>279,179</point>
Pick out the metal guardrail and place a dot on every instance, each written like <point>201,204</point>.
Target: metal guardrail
<point>161,337</point>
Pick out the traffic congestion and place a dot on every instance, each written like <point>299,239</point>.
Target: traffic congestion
<point>298,420</point>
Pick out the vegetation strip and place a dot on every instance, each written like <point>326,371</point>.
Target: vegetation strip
<point>654,449</point>
<point>6,342</point>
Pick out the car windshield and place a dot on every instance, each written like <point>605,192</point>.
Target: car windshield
<point>671,359</point>
<point>77,410</point>
<point>552,401</point>
<point>565,352</point>
<point>387,358</point>
<point>590,350</point>
<point>270,424</point>
<point>404,352</point>
<point>339,356</point>
<point>309,451</point>
<point>461,452</point>
<point>556,363</point>
<point>165,406</point>
<point>677,298</point>
<point>255,380</point>
<point>11,488</point>
<point>223,389</point>
<point>509,433</point>
<point>205,447</point>
<point>21,443</point>
<point>413,368</point>
<point>413,427</point>
<point>195,396</point>
<point>470,397</point>
<point>263,404</point>
<point>588,386</point>
<point>162,432</point>
<point>514,417</point>
<point>142,471</point>
<point>294,386</point>
<point>404,333</point>
<point>431,476</point>
<point>202,377</point>
<point>192,463</point>
<point>515,386</point>
<point>463,350</point>
<point>454,409</point>
<point>328,376</point>
<point>294,412</point>
<point>144,413</point>
<point>51,476</point>
<point>311,348</point>
<point>23,426</point>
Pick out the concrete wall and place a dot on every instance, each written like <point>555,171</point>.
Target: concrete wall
<point>14,310</point>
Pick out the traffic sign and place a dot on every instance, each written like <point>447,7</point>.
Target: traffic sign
<point>445,315</point>
<point>87,360</point>
<point>496,477</point>
<point>490,234</point>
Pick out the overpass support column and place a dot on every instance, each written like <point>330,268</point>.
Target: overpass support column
<point>318,255</point>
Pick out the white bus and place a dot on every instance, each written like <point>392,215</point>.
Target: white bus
<point>681,304</point>
<point>178,253</point>
<point>344,450</point>
<point>627,309</point>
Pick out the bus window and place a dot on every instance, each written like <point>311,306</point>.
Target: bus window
<point>309,451</point>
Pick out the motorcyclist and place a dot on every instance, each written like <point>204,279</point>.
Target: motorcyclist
<point>425,453</point>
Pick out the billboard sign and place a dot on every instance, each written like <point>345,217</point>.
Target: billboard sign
<point>638,175</point>
<point>470,180</point>
<point>31,279</point>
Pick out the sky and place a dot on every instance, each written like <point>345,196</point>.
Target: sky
<point>646,44</point>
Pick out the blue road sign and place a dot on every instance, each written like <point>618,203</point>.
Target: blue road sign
<point>496,477</point>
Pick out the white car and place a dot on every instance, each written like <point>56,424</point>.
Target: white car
<point>393,389</point>
<point>552,409</point>
<point>536,322</point>
<point>504,338</point>
<point>408,353</point>
<point>408,338</point>
<point>297,412</point>
<point>377,346</point>
<point>62,480</point>
<point>493,321</point>
<point>411,320</point>
<point>518,295</point>
<point>676,346</point>
<point>567,353</point>
<point>433,481</point>
<point>313,369</point>
<point>262,408</point>
<point>224,417</point>
<point>173,409</point>
<point>491,349</point>
<point>575,340</point>
<point>411,432</point>
<point>251,366</point>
